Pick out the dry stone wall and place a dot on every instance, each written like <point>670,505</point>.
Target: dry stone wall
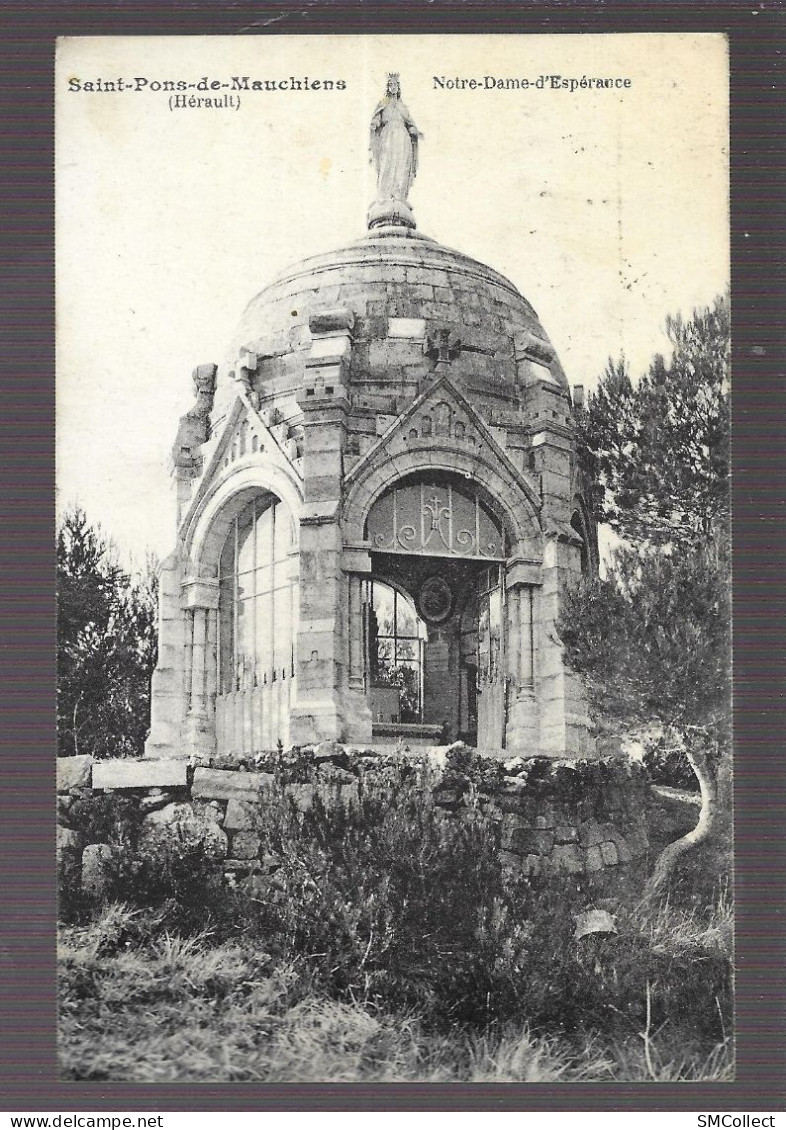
<point>555,818</point>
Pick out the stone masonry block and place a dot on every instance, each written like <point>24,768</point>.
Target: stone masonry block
<point>245,845</point>
<point>302,795</point>
<point>95,862</point>
<point>532,865</point>
<point>67,840</point>
<point>411,328</point>
<point>591,833</point>
<point>239,816</point>
<point>567,857</point>
<point>73,772</point>
<point>336,793</point>
<point>515,820</point>
<point>594,859</point>
<point>221,784</point>
<point>422,275</point>
<point>565,834</point>
<point>609,852</point>
<point>139,774</point>
<point>173,813</point>
<point>211,813</point>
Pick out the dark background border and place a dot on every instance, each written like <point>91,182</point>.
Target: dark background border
<point>28,1079</point>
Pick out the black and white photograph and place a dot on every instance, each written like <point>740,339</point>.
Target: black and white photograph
<point>393,559</point>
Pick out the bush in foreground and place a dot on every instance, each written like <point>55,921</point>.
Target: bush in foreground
<point>388,907</point>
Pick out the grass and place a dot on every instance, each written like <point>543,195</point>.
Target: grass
<point>180,1009</point>
<point>139,1007</point>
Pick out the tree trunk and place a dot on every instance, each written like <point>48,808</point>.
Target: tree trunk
<point>667,860</point>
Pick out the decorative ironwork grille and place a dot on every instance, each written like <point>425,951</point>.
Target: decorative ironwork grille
<point>434,519</point>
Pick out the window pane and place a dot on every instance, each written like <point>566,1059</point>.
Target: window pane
<point>383,598</point>
<point>406,617</point>
<point>226,642</point>
<point>409,701</point>
<point>245,543</point>
<point>263,536</point>
<point>380,523</point>
<point>254,637</point>
<point>245,646</point>
<point>226,568</point>
<point>264,661</point>
<point>264,578</point>
<point>283,536</point>
<point>283,615</point>
<point>490,535</point>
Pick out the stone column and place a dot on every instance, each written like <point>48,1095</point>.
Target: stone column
<point>564,722</point>
<point>168,686</point>
<point>211,665</point>
<point>526,616</point>
<point>201,599</point>
<point>358,719</point>
<point>318,710</point>
<point>522,734</point>
<point>355,634</point>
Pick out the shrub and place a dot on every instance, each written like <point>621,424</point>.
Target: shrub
<point>396,903</point>
<point>181,877</point>
<point>176,873</point>
<point>102,817</point>
<point>71,904</point>
<point>392,901</point>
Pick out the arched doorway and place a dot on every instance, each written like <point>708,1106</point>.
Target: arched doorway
<point>437,544</point>
<point>257,618</point>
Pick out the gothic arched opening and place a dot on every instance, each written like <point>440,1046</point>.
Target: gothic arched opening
<point>257,617</point>
<point>437,545</point>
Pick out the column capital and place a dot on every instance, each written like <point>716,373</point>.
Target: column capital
<point>521,571</point>
<point>200,592</point>
<point>356,559</point>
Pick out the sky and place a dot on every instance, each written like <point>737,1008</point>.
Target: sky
<point>607,208</point>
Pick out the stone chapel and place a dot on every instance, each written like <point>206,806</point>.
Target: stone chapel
<point>378,505</point>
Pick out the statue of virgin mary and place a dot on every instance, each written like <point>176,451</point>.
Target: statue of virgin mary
<point>394,145</point>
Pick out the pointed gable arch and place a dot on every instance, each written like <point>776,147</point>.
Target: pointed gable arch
<point>248,458</point>
<point>441,432</point>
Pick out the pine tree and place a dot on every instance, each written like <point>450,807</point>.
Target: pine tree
<point>659,448</point>
<point>106,643</point>
<point>652,639</point>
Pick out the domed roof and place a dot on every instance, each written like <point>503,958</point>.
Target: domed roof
<point>391,279</point>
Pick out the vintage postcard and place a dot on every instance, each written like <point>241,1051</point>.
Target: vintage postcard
<point>393,558</point>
